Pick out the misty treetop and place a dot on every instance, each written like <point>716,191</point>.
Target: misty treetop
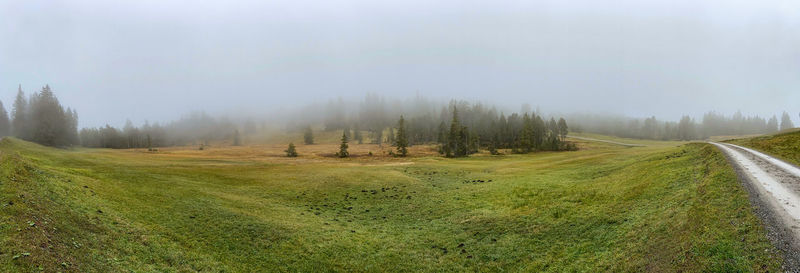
<point>42,119</point>
<point>196,128</point>
<point>458,127</point>
<point>687,128</point>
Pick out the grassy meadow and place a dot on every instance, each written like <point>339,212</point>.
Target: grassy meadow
<point>662,208</point>
<point>785,145</point>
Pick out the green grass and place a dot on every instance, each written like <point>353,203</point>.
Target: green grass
<point>606,208</point>
<point>783,145</point>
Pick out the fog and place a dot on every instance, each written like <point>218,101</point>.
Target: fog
<point>158,60</point>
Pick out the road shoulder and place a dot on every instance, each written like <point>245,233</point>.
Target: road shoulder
<point>769,212</point>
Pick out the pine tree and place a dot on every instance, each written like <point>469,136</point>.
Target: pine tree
<point>402,140</point>
<point>454,139</point>
<point>462,146</point>
<point>343,147</point>
<point>474,142</point>
<point>772,125</point>
<point>493,145</point>
<point>5,124</point>
<point>47,120</point>
<point>291,151</point>
<point>308,136</point>
<point>526,137</point>
<point>563,130</point>
<point>786,121</point>
<point>19,116</point>
<point>552,136</point>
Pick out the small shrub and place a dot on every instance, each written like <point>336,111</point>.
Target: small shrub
<point>291,151</point>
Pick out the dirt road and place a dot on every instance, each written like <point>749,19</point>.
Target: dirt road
<point>774,188</point>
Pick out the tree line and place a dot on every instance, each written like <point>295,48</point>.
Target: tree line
<point>465,132</point>
<point>687,128</point>
<point>40,118</point>
<point>458,127</point>
<point>196,128</point>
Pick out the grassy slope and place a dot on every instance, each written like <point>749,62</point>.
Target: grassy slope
<point>783,145</point>
<point>605,208</point>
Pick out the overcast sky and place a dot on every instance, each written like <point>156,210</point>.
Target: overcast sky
<point>159,59</point>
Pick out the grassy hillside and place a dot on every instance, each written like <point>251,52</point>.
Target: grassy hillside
<point>604,208</point>
<point>783,145</point>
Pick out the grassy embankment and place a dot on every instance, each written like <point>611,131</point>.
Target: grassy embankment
<point>247,209</point>
<point>784,145</point>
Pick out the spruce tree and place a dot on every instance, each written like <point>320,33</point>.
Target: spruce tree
<point>526,138</point>
<point>786,121</point>
<point>291,151</point>
<point>401,141</point>
<point>308,136</point>
<point>493,145</point>
<point>343,147</point>
<point>47,122</point>
<point>454,139</point>
<point>5,124</point>
<point>462,146</point>
<point>563,130</point>
<point>19,116</point>
<point>473,143</point>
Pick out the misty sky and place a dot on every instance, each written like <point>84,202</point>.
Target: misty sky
<point>159,59</point>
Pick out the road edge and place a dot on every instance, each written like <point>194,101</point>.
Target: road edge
<point>764,207</point>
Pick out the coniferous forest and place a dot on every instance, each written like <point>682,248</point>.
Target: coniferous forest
<point>458,128</point>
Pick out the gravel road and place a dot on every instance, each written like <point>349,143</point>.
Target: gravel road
<point>774,187</point>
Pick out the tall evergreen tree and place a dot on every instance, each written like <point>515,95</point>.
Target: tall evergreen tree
<point>19,116</point>
<point>5,123</point>
<point>48,123</point>
<point>72,127</point>
<point>454,138</point>
<point>563,130</point>
<point>402,140</point>
<point>343,147</point>
<point>526,137</point>
<point>462,146</point>
<point>308,136</point>
<point>539,132</point>
<point>474,142</point>
<point>786,121</point>
<point>772,125</point>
